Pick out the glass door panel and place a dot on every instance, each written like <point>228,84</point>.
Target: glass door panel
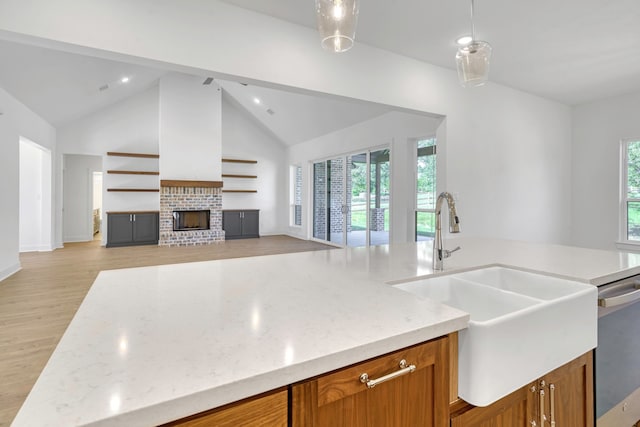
<point>379,191</point>
<point>320,200</point>
<point>357,200</point>
<point>335,200</point>
<point>351,199</point>
<point>425,189</point>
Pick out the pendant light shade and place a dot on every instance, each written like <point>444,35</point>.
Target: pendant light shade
<point>337,21</point>
<point>473,59</point>
<point>473,63</point>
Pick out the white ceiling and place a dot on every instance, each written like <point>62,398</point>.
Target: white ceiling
<point>61,87</point>
<point>296,117</point>
<point>573,51</point>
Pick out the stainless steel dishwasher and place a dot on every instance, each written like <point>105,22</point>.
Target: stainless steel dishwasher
<point>617,357</point>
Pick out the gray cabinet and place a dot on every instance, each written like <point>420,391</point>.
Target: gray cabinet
<point>241,224</point>
<point>132,228</point>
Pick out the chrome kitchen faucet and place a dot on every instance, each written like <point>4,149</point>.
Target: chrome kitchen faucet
<point>439,253</point>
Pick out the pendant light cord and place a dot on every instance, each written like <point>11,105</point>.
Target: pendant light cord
<point>473,28</point>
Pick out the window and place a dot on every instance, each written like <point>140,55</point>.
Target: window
<point>630,193</point>
<point>425,188</point>
<point>296,196</point>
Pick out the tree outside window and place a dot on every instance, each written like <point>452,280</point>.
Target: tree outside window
<point>632,189</point>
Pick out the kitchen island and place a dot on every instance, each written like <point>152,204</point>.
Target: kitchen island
<point>150,345</point>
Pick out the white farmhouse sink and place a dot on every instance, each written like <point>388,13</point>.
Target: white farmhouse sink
<point>522,325</point>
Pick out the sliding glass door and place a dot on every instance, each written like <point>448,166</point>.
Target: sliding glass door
<point>328,200</point>
<point>351,199</point>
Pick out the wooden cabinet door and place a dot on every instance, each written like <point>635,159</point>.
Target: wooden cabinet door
<point>515,410</point>
<point>250,224</point>
<point>569,394</point>
<point>232,224</point>
<point>119,230</point>
<point>266,410</point>
<point>145,228</point>
<point>569,387</point>
<point>419,398</point>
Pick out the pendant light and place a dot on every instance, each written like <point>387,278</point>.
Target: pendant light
<point>473,59</point>
<point>337,21</point>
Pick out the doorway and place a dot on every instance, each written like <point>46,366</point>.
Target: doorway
<point>351,199</point>
<point>35,232</point>
<point>82,195</point>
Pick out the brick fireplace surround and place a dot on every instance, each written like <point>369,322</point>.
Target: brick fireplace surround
<point>187,196</point>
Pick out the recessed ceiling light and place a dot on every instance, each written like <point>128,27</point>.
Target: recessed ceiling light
<point>257,100</point>
<point>124,80</point>
<point>464,40</point>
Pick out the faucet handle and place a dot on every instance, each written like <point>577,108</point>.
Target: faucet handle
<point>448,253</point>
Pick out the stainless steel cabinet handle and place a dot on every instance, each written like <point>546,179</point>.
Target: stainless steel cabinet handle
<point>404,369</point>
<point>542,417</point>
<point>130,217</point>
<point>552,389</point>
<point>634,295</point>
<point>134,217</point>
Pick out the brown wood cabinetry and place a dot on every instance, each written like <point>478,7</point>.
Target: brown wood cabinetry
<point>568,394</point>
<point>412,398</point>
<point>269,409</point>
<point>563,397</point>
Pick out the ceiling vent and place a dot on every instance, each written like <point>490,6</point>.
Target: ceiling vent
<point>103,87</point>
<point>208,81</point>
<point>270,111</point>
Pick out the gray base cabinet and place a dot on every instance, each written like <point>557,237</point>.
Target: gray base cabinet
<point>241,224</point>
<point>132,228</point>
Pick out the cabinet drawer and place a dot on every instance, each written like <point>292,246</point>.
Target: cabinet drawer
<point>265,410</point>
<point>346,382</point>
<point>418,399</point>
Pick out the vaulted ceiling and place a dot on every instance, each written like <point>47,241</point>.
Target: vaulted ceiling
<point>62,87</point>
<point>572,51</point>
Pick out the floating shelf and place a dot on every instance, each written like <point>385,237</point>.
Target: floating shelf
<point>135,190</point>
<point>239,191</point>
<point>119,172</point>
<point>227,175</point>
<point>238,161</point>
<point>146,156</point>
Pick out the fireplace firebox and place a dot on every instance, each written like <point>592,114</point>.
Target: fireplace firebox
<point>191,220</point>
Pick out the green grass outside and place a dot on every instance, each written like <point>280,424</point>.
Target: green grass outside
<point>425,221</point>
<point>633,219</point>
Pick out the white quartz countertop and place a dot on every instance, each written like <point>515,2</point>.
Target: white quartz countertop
<point>150,345</point>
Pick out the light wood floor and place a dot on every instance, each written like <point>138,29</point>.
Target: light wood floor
<point>38,302</point>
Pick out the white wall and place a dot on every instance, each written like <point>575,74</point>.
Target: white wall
<point>396,130</point>
<point>131,125</point>
<point>35,197</point>
<point>78,196</point>
<point>190,128</point>
<point>598,128</point>
<point>508,152</point>
<point>244,138</point>
<point>16,120</point>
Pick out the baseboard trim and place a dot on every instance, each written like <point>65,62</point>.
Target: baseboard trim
<point>77,239</point>
<point>35,248</point>
<point>10,271</point>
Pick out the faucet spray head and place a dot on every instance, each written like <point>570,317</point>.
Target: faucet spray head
<point>454,221</point>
